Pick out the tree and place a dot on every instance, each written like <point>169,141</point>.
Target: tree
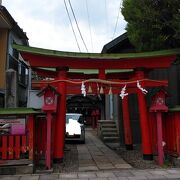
<point>152,24</point>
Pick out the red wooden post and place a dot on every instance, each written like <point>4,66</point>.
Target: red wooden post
<point>159,139</point>
<point>4,147</point>
<point>96,118</point>
<point>24,145</point>
<point>49,107</point>
<point>61,117</point>
<point>11,147</point>
<point>127,124</point>
<point>177,124</point>
<point>102,74</point>
<point>48,151</point>
<point>93,122</point>
<point>17,147</point>
<point>144,124</point>
<point>31,136</point>
<point>93,115</point>
<point>158,106</point>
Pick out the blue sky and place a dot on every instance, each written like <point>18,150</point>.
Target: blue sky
<point>47,25</point>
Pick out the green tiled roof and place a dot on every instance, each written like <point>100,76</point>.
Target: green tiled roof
<point>18,111</point>
<point>55,53</point>
<point>177,108</point>
<point>91,71</point>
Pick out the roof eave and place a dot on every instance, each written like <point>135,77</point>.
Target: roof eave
<point>12,23</point>
<point>114,42</point>
<point>53,53</point>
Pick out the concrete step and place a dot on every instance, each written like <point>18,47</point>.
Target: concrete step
<point>108,130</point>
<point>106,122</point>
<point>111,139</point>
<point>109,134</point>
<point>113,145</point>
<point>108,125</point>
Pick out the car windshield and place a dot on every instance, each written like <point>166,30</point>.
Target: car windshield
<point>75,117</point>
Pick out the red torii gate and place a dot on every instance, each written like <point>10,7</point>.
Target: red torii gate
<point>62,61</point>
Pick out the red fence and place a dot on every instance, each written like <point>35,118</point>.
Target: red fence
<point>171,132</point>
<point>15,147</point>
<point>40,138</point>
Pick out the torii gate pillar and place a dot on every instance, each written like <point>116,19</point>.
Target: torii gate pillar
<point>127,124</point>
<point>59,139</point>
<point>144,122</point>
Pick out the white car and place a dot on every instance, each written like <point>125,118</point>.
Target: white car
<point>75,129</point>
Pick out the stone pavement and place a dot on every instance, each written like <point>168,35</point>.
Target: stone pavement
<point>98,162</point>
<point>94,155</point>
<point>121,174</point>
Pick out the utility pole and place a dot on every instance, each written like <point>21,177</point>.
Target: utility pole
<point>0,2</point>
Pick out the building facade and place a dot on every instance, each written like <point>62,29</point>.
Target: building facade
<point>13,70</point>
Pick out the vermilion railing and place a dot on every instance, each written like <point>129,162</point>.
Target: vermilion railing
<point>171,132</point>
<point>16,147</point>
<point>13,147</point>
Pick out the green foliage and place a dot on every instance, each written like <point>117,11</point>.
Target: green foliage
<point>152,24</point>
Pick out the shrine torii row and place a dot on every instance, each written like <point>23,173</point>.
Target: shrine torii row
<point>67,82</point>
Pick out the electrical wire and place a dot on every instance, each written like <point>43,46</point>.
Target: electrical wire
<point>77,25</point>
<point>117,19</point>
<point>90,32</point>
<point>106,15</point>
<point>72,26</point>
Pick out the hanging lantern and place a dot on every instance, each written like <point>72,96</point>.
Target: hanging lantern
<point>50,98</point>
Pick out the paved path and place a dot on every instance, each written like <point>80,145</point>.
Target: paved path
<point>98,162</point>
<point>130,174</point>
<point>94,155</point>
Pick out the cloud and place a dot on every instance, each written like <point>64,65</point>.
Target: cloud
<point>47,24</point>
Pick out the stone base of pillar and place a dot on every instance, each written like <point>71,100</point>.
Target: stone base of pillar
<point>129,147</point>
<point>148,157</point>
<point>58,160</point>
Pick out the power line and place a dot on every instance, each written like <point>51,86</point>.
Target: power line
<point>117,19</point>
<point>77,25</point>
<point>106,16</point>
<point>72,26</point>
<point>90,32</point>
